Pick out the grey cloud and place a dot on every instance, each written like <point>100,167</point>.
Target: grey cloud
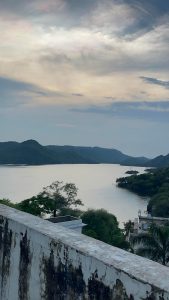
<point>156,81</point>
<point>11,85</point>
<point>15,92</point>
<point>75,12</point>
<point>43,6</point>
<point>121,17</point>
<point>77,95</point>
<point>121,105</point>
<point>81,7</point>
<point>110,98</point>
<point>153,7</point>
<point>49,56</point>
<point>11,92</point>
<point>114,59</point>
<point>144,14</point>
<point>152,111</point>
<point>64,13</point>
<point>151,54</point>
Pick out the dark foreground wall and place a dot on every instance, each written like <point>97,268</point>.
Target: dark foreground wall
<point>41,260</point>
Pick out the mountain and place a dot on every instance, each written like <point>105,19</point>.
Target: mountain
<point>32,153</point>
<point>101,155</point>
<point>135,161</point>
<point>28,152</point>
<point>159,161</point>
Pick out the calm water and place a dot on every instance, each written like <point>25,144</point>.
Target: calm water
<point>96,184</point>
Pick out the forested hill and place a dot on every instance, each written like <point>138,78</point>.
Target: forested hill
<point>32,153</point>
<point>101,155</point>
<point>159,162</point>
<point>154,184</point>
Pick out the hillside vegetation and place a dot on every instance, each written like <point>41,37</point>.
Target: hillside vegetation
<point>154,184</point>
<point>32,153</point>
<point>161,161</point>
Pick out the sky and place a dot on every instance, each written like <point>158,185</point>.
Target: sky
<point>86,72</point>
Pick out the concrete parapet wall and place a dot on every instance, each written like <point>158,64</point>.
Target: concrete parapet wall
<point>41,260</point>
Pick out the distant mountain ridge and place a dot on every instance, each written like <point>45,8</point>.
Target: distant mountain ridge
<point>102,155</point>
<point>30,152</point>
<point>160,161</point>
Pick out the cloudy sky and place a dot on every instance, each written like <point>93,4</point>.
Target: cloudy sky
<point>86,72</point>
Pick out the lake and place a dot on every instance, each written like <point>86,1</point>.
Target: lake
<point>96,184</point>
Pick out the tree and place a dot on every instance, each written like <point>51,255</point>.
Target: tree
<point>52,200</point>
<point>155,184</point>
<point>31,206</point>
<point>147,184</point>
<point>128,228</point>
<point>74,212</point>
<point>159,204</point>
<point>7,202</point>
<point>154,244</point>
<point>104,227</point>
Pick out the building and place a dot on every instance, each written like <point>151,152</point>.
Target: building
<point>143,223</point>
<point>68,222</point>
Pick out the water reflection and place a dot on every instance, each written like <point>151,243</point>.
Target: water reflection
<point>96,184</point>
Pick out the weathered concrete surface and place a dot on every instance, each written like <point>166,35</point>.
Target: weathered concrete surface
<point>40,260</point>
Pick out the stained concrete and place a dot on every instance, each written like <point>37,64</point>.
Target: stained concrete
<point>41,260</point>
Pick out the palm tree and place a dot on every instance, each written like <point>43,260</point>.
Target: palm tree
<point>153,244</point>
<point>128,228</point>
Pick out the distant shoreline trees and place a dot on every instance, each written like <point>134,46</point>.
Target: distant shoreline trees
<point>154,184</point>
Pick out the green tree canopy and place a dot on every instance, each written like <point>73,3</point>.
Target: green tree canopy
<point>52,200</point>
<point>159,205</point>
<point>155,184</point>
<point>128,228</point>
<point>147,184</point>
<point>31,206</point>
<point>7,202</point>
<point>104,227</point>
<point>154,244</point>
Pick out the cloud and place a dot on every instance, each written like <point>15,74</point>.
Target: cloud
<point>125,17</point>
<point>77,95</point>
<point>99,53</point>
<point>93,69</point>
<point>15,92</point>
<point>154,7</point>
<point>151,111</point>
<point>156,81</point>
<point>19,93</point>
<point>52,12</point>
<point>65,125</point>
<point>146,11</point>
<point>98,49</point>
<point>31,7</point>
